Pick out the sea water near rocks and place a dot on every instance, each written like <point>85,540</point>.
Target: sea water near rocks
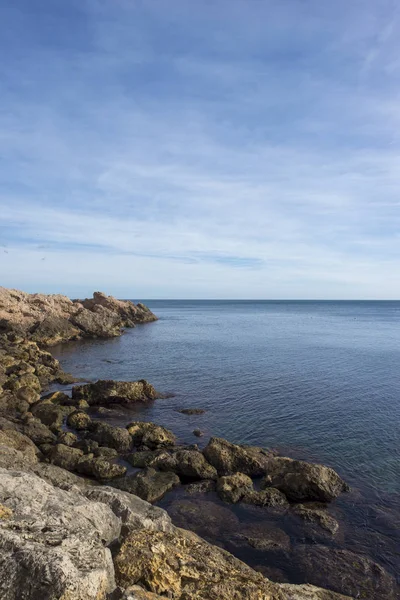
<point>318,380</point>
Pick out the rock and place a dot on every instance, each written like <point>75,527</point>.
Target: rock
<point>301,481</point>
<point>308,592</point>
<point>105,392</point>
<point>317,514</point>
<point>50,415</point>
<point>201,487</point>
<point>67,438</point>
<point>38,432</point>
<point>230,458</point>
<point>28,394</point>
<point>204,517</point>
<point>264,537</point>
<point>59,477</point>
<point>150,435</point>
<point>104,452</point>
<point>65,457</point>
<point>99,468</point>
<point>18,441</point>
<point>10,458</point>
<point>129,313</point>
<point>198,432</point>
<point>232,488</point>
<point>87,446</point>
<point>345,572</point>
<point>150,485</point>
<point>134,512</point>
<point>79,420</point>
<point>113,437</point>
<point>192,411</point>
<point>135,592</point>
<point>188,464</point>
<point>270,497</point>
<point>54,543</point>
<point>144,458</point>
<point>58,398</point>
<point>10,405</point>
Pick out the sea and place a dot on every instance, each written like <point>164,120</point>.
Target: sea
<point>315,380</point>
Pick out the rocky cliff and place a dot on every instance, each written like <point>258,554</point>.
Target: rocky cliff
<point>49,319</point>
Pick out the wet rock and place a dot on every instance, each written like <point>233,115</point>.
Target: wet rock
<point>301,481</point>
<point>67,438</point>
<point>317,514</point>
<point>65,457</point>
<point>150,485</point>
<point>54,543</point>
<point>345,572</point>
<point>201,487</point>
<point>99,468</point>
<point>51,415</point>
<point>204,517</point>
<point>232,488</point>
<point>264,537</point>
<point>19,441</point>
<point>230,458</point>
<point>198,432</point>
<point>144,458</point>
<point>192,411</point>
<point>308,592</point>
<point>105,392</point>
<point>188,464</point>
<point>151,435</point>
<point>79,420</point>
<point>38,432</point>
<point>113,437</point>
<point>270,497</point>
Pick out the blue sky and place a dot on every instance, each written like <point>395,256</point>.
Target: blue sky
<point>208,149</point>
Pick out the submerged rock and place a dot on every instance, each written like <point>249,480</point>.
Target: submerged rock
<point>150,485</point>
<point>301,481</point>
<point>105,392</point>
<point>230,458</point>
<point>317,514</point>
<point>191,411</point>
<point>151,435</point>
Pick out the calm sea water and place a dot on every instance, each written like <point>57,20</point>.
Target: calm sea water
<point>316,380</point>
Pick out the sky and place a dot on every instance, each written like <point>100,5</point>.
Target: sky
<point>207,149</point>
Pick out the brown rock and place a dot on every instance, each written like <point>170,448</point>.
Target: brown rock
<point>230,458</point>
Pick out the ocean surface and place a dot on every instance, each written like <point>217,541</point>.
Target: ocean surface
<point>317,380</point>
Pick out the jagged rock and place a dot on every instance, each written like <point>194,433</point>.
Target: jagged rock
<point>232,488</point>
<point>230,458</point>
<point>100,322</point>
<point>264,536</point>
<point>19,441</point>
<point>58,398</point>
<point>317,514</point>
<point>135,592</point>
<point>38,432</point>
<point>188,464</point>
<point>67,438</point>
<point>79,420</point>
<point>59,477</point>
<point>134,512</point>
<point>345,572</point>
<point>150,485</point>
<point>113,437</point>
<point>150,435</point>
<point>105,392</point>
<point>65,457</point>
<point>51,415</point>
<point>128,312</point>
<point>308,592</point>
<point>301,481</point>
<point>99,468</point>
<point>270,497</point>
<point>53,544</point>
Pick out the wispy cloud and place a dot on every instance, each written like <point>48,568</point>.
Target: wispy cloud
<point>229,150</point>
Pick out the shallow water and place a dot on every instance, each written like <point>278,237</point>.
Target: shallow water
<point>316,380</point>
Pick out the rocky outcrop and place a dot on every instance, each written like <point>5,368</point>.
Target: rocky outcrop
<point>151,435</point>
<point>150,485</point>
<point>301,481</point>
<point>106,392</point>
<point>230,458</point>
<point>49,319</point>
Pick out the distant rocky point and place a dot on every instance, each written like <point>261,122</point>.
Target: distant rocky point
<point>50,319</point>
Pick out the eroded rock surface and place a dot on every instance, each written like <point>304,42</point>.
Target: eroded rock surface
<point>230,458</point>
<point>105,392</point>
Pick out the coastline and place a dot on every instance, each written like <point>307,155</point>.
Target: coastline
<point>52,411</point>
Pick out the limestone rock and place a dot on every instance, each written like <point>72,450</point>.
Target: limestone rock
<point>188,464</point>
<point>99,468</point>
<point>230,458</point>
<point>105,392</point>
<point>192,411</point>
<point>67,438</point>
<point>65,457</point>
<point>59,477</point>
<point>79,420</point>
<point>301,481</point>
<point>150,435</point>
<point>113,437</point>
<point>51,415</point>
<point>232,488</point>
<point>317,514</point>
<point>150,485</point>
<point>19,441</point>
<point>39,433</point>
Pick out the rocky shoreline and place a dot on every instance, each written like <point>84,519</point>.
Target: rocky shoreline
<point>76,519</point>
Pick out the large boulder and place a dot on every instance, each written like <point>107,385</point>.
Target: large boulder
<point>38,432</point>
<point>129,313</point>
<point>53,545</point>
<point>345,572</point>
<point>59,477</point>
<point>151,435</point>
<point>19,441</point>
<point>150,485</point>
<point>230,458</point>
<point>110,436</point>
<point>105,392</point>
<point>301,481</point>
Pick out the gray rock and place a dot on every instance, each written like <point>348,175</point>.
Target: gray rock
<point>59,477</point>
<point>317,514</point>
<point>51,415</point>
<point>301,481</point>
<point>19,441</point>
<point>232,488</point>
<point>150,485</point>
<point>67,438</point>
